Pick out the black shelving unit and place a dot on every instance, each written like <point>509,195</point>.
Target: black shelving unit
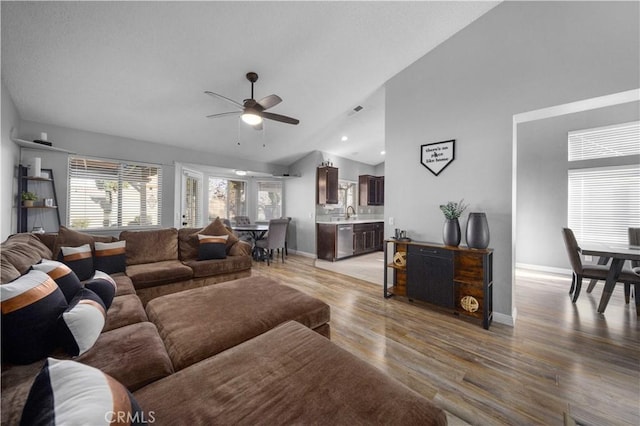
<point>38,214</point>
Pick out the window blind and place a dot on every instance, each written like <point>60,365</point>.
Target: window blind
<point>604,142</point>
<point>604,202</point>
<point>108,194</point>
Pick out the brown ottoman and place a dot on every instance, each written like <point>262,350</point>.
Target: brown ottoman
<point>288,375</point>
<point>196,324</point>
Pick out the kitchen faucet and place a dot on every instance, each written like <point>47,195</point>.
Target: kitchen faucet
<point>347,211</point>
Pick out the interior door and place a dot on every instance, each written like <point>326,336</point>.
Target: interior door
<point>191,198</point>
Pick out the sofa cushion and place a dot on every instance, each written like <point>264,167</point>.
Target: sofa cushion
<point>66,279</point>
<point>157,273</point>
<point>67,392</point>
<point>212,246</point>
<point>110,257</point>
<point>16,382</point>
<point>188,243</point>
<point>30,308</point>
<point>104,286</point>
<point>8,272</point>
<point>70,238</point>
<point>196,324</point>
<point>217,227</point>
<point>208,268</point>
<point>241,248</point>
<point>125,310</point>
<point>134,355</point>
<point>81,324</point>
<point>289,375</point>
<point>79,259</point>
<point>21,251</point>
<point>123,284</point>
<point>150,246</point>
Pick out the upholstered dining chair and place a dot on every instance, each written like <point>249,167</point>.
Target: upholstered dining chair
<point>244,236</point>
<point>598,272</point>
<point>634,240</point>
<point>276,238</point>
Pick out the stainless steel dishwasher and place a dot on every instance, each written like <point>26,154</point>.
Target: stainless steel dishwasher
<point>345,241</point>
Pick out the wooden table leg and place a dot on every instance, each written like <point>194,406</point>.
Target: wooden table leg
<point>602,261</point>
<point>610,284</point>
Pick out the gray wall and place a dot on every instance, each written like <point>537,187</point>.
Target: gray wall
<point>8,161</point>
<point>520,56</point>
<point>301,196</point>
<point>114,147</point>
<point>541,209</point>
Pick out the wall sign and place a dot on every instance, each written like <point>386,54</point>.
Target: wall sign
<point>437,156</point>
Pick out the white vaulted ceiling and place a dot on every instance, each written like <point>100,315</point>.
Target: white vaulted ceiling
<point>139,69</point>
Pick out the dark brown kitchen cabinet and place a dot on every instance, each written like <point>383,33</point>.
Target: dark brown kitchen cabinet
<point>327,185</point>
<point>367,237</point>
<point>371,190</point>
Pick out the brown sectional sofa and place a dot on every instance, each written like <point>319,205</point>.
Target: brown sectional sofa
<point>240,352</point>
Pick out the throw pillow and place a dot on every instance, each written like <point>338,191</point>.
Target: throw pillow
<point>217,228</point>
<point>104,286</point>
<point>80,325</point>
<point>79,259</point>
<point>212,247</point>
<point>69,238</point>
<point>110,257</point>
<point>66,279</point>
<point>31,305</point>
<point>68,392</point>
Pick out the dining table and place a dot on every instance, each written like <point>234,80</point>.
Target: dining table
<point>257,231</point>
<point>618,253</point>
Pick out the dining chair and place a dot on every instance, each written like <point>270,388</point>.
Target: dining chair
<point>276,238</point>
<point>634,240</point>
<point>599,272</point>
<point>244,236</point>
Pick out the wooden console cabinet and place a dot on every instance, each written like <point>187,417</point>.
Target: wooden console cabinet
<point>458,278</point>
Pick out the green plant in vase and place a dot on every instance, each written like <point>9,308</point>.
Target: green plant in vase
<point>28,198</point>
<point>451,232</point>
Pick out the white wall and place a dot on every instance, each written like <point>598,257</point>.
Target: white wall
<point>542,186</point>
<point>114,147</point>
<point>518,57</point>
<point>9,158</point>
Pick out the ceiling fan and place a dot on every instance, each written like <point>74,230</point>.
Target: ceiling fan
<point>254,111</point>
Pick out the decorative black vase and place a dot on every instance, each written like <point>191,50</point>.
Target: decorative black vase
<point>477,231</point>
<point>451,232</point>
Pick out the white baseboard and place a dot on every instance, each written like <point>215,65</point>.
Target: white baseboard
<point>303,253</point>
<point>541,268</point>
<point>505,319</point>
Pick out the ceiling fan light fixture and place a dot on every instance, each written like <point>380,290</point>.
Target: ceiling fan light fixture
<point>251,118</point>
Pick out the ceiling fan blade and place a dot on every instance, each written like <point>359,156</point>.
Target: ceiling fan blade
<point>222,114</point>
<point>269,101</point>
<point>216,95</point>
<point>278,117</point>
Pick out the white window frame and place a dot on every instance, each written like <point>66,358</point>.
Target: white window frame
<point>257,199</point>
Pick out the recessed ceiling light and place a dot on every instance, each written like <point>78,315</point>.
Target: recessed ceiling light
<point>241,172</point>
<point>344,139</point>
<point>383,152</point>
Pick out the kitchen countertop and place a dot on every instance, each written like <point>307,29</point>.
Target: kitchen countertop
<point>349,221</point>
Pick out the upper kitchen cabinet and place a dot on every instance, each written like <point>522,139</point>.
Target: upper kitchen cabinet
<point>327,185</point>
<point>371,190</point>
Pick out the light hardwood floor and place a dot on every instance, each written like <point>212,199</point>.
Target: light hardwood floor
<point>559,358</point>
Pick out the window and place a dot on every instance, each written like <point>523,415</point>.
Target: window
<point>269,200</point>
<point>107,194</point>
<point>227,198</point>
<point>347,194</point>
<point>604,201</point>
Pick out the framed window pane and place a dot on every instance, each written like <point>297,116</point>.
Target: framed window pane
<point>107,194</point>
<point>227,198</point>
<point>269,200</point>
